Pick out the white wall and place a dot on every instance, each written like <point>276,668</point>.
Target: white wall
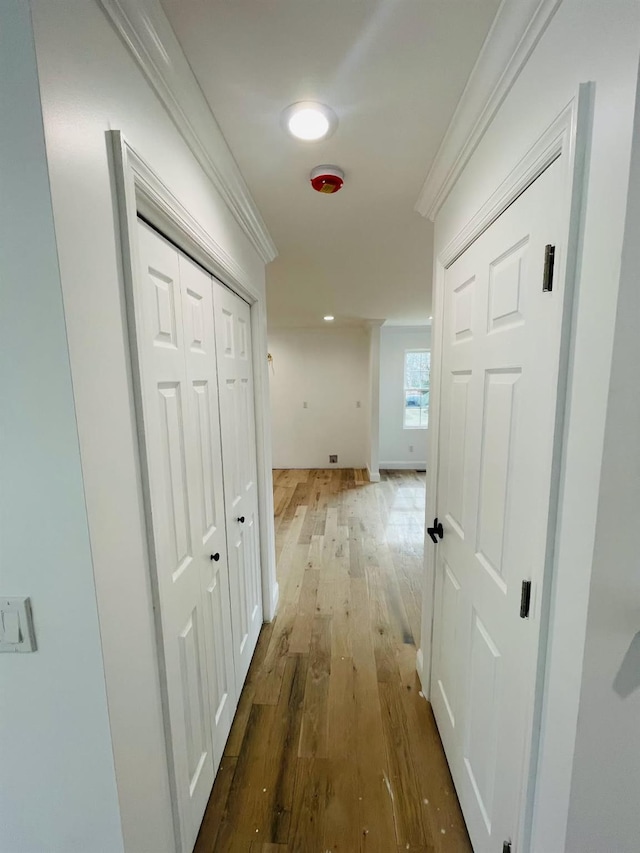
<point>329,370</point>
<point>89,84</point>
<point>587,40</point>
<point>604,812</point>
<point>395,440</point>
<point>57,785</point>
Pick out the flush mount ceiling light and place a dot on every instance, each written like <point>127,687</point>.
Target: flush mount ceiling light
<point>309,121</point>
<point>329,318</point>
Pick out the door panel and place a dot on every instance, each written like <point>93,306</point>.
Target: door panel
<point>500,366</point>
<point>208,498</point>
<point>481,733</point>
<point>237,419</point>
<point>170,462</point>
<point>176,350</point>
<point>193,697</point>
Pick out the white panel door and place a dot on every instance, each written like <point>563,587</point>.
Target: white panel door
<point>500,368</point>
<point>170,463</point>
<point>207,505</point>
<point>235,375</point>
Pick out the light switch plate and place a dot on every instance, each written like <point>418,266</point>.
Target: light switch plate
<point>16,625</point>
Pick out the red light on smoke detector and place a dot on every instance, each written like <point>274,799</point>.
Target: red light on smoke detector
<point>327,179</point>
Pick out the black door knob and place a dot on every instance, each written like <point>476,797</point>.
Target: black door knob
<point>215,557</point>
<point>436,531</point>
<point>241,519</point>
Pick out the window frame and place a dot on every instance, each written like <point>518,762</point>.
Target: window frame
<point>406,389</point>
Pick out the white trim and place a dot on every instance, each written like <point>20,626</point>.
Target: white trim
<point>516,30</point>
<point>395,327</point>
<point>275,598</point>
<point>373,465</point>
<point>140,190</point>
<point>403,466</point>
<point>147,34</point>
<point>420,668</point>
<point>555,141</point>
<point>567,136</point>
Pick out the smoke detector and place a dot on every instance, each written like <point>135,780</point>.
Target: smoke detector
<point>327,179</point>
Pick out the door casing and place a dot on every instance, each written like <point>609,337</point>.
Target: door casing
<point>565,138</point>
<point>140,192</point>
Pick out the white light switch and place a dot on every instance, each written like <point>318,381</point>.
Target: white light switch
<point>11,627</point>
<point>16,625</point>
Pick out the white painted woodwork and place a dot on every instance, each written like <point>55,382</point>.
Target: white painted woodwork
<point>170,326</point>
<point>154,46</point>
<point>499,386</point>
<point>235,376</point>
<point>210,543</point>
<point>200,483</point>
<point>515,31</point>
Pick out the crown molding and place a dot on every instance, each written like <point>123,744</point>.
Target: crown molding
<point>516,30</point>
<point>146,32</point>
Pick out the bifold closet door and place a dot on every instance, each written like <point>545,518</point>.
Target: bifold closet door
<point>211,539</point>
<point>235,377</point>
<point>175,348</point>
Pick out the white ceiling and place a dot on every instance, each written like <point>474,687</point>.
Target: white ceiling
<point>393,71</point>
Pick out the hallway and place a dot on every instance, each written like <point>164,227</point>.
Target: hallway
<point>333,746</point>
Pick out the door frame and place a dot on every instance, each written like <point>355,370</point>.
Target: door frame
<point>139,191</point>
<point>567,137</point>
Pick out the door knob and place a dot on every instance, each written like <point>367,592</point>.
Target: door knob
<point>215,557</point>
<point>436,531</point>
<point>241,519</point>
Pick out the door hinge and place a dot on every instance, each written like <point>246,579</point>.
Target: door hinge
<point>525,599</point>
<point>506,847</point>
<point>547,276</point>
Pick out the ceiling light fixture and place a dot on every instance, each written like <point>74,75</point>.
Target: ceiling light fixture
<point>309,121</point>
<point>329,318</point>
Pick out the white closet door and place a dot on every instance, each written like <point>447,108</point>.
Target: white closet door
<point>235,374</point>
<point>210,545</point>
<point>170,461</point>
<point>500,365</point>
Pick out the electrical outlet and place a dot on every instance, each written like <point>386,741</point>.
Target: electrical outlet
<point>358,404</point>
<point>411,448</point>
<point>333,458</point>
<point>305,405</point>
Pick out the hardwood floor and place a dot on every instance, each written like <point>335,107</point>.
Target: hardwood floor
<point>333,747</point>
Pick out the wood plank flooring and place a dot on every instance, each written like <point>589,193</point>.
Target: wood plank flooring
<point>333,747</point>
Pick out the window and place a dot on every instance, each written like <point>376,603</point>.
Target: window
<point>417,367</point>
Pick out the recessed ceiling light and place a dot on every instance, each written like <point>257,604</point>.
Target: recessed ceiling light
<point>329,318</point>
<point>309,121</point>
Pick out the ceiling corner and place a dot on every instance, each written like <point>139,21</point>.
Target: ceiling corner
<point>516,30</point>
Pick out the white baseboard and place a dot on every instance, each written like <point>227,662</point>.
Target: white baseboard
<point>420,666</point>
<point>403,466</point>
<point>275,598</point>
<point>373,478</point>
